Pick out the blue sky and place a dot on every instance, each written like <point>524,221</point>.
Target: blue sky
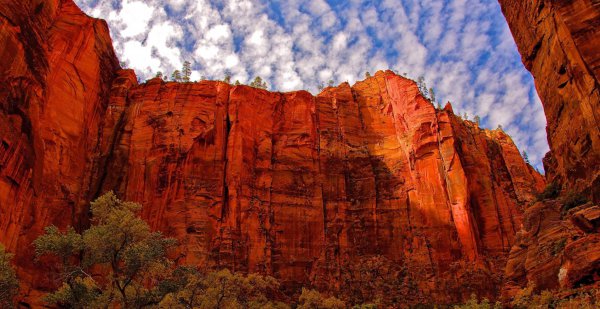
<point>463,48</point>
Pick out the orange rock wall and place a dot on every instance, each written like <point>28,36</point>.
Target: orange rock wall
<point>292,185</point>
<point>560,42</point>
<point>282,183</point>
<point>56,67</point>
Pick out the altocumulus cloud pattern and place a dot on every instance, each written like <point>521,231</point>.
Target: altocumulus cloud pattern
<point>463,48</point>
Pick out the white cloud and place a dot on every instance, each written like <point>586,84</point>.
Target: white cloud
<point>462,47</point>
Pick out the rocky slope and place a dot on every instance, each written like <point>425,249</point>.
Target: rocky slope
<point>287,184</point>
<point>559,244</point>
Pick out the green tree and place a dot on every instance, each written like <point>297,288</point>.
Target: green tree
<point>222,289</point>
<point>367,74</point>
<point>131,258</point>
<point>176,76</point>
<point>227,78</point>
<point>9,285</point>
<point>477,119</point>
<point>237,82</point>
<point>186,71</point>
<point>311,299</point>
<point>258,83</point>
<point>432,94</point>
<point>321,86</point>
<point>159,74</point>
<point>330,83</point>
<point>526,157</point>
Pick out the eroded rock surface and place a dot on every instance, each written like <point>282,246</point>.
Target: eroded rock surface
<point>287,184</point>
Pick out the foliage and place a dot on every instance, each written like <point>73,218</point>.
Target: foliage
<point>432,94</point>
<point>159,74</point>
<point>258,83</point>
<point>477,119</point>
<point>227,78</point>
<point>473,303</point>
<point>311,299</point>
<point>375,280</point>
<point>367,74</point>
<point>122,246</point>
<point>551,191</point>
<point>558,246</point>
<point>237,82</point>
<point>176,76</point>
<point>186,71</point>
<point>527,298</point>
<point>573,200</point>
<point>9,285</point>
<point>526,157</point>
<point>222,289</point>
<point>330,83</point>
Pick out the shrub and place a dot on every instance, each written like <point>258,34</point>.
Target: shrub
<point>9,285</point>
<point>573,200</point>
<point>551,191</point>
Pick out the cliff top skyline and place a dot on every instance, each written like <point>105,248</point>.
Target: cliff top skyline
<point>464,49</point>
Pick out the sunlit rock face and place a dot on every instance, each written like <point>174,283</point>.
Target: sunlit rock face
<point>560,44</point>
<point>288,184</point>
<point>293,185</point>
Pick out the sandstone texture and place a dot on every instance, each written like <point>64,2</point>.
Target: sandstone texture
<point>288,184</point>
<point>560,45</point>
<point>56,68</point>
<point>294,185</point>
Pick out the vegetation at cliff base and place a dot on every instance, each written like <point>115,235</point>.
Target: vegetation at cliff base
<point>121,247</point>
<point>9,285</point>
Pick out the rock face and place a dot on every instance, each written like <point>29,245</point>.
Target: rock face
<point>560,44</point>
<point>293,185</point>
<point>56,68</point>
<point>281,183</point>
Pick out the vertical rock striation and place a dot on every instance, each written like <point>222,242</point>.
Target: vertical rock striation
<point>288,184</point>
<point>293,185</point>
<point>56,67</point>
<point>560,42</point>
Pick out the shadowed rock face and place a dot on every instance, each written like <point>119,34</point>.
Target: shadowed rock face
<point>560,45</point>
<point>281,183</point>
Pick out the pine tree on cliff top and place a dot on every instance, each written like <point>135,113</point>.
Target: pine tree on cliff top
<point>186,71</point>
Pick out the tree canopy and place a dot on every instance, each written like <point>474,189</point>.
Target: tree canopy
<point>118,243</point>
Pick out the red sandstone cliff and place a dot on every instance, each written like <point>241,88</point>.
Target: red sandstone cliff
<point>283,183</point>
<point>56,68</point>
<point>560,45</point>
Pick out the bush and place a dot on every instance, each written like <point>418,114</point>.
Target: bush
<point>9,285</point>
<point>473,303</point>
<point>551,191</point>
<point>573,200</point>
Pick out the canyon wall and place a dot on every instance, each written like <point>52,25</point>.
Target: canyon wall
<point>289,184</point>
<point>294,185</point>
<point>559,246</point>
<point>56,69</point>
<point>559,42</point>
